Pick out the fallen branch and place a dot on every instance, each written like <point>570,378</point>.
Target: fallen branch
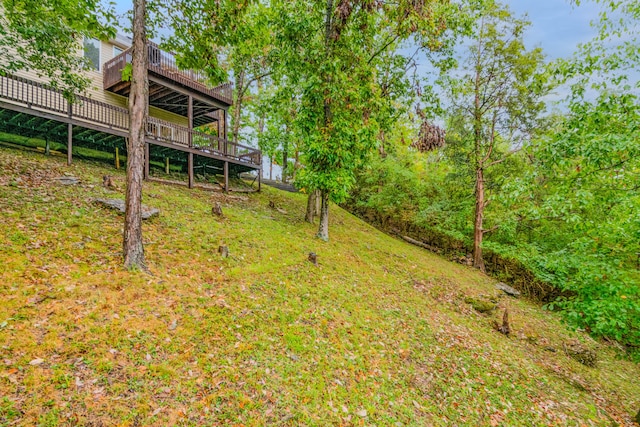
<point>421,244</point>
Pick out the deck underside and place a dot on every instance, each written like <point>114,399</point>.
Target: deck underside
<point>36,124</point>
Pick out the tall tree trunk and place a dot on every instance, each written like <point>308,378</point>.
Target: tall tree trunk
<point>285,160</point>
<point>296,165</point>
<point>478,262</point>
<point>323,229</point>
<point>311,207</point>
<point>138,109</point>
<point>381,138</point>
<point>318,203</point>
<point>237,107</point>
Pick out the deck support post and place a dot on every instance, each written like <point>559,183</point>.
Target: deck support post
<point>146,160</point>
<point>117,158</point>
<point>190,169</point>
<point>69,143</point>
<point>259,178</point>
<point>166,165</point>
<point>190,137</point>
<point>69,134</point>
<point>225,126</point>
<point>190,119</point>
<point>47,147</point>
<point>226,177</point>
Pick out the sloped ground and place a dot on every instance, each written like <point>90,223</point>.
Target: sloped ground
<point>377,334</point>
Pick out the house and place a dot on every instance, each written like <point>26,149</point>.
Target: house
<point>187,126</point>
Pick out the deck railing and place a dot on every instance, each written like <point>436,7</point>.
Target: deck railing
<point>164,64</point>
<point>41,97</point>
<point>33,94</point>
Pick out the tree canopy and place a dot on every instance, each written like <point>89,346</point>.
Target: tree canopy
<point>45,36</point>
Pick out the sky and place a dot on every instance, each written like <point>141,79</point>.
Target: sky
<point>556,25</point>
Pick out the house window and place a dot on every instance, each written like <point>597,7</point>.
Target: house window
<point>92,53</point>
<point>116,51</point>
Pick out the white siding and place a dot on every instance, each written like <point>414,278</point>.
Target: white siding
<point>95,90</point>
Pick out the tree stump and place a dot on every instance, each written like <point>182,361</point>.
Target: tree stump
<point>107,182</point>
<point>504,328</point>
<point>223,250</point>
<point>216,209</point>
<point>313,258</point>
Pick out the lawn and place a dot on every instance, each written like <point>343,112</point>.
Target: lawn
<point>378,333</point>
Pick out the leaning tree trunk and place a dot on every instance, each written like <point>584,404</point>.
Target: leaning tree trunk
<point>311,207</point>
<point>478,262</point>
<point>323,229</point>
<point>138,102</point>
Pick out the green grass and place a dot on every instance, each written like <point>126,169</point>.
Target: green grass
<point>377,334</point>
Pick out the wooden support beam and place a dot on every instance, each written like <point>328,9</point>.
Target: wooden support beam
<point>155,88</point>
<point>200,97</point>
<point>166,165</point>
<point>190,169</point>
<point>69,143</point>
<point>174,97</point>
<point>226,127</point>
<point>146,160</point>
<point>190,136</point>
<point>226,177</point>
<point>69,134</point>
<point>117,158</point>
<point>259,178</point>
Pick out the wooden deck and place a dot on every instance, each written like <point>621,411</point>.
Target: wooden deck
<point>37,99</point>
<point>163,64</point>
<point>173,89</point>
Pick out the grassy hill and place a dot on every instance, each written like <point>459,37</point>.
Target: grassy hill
<point>378,333</point>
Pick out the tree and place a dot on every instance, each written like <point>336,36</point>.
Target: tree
<point>45,36</point>
<point>495,102</point>
<point>583,191</point>
<point>133,249</point>
<point>202,31</point>
<point>201,54</point>
<point>276,107</point>
<point>248,55</point>
<point>335,74</point>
